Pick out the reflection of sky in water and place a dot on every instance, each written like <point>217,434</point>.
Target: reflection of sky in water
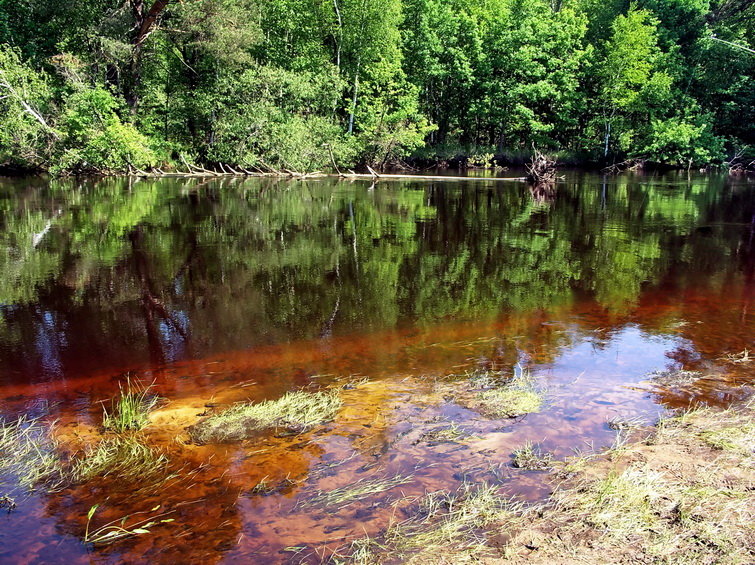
<point>174,344</point>
<point>49,343</point>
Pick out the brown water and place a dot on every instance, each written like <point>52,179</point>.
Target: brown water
<point>241,290</point>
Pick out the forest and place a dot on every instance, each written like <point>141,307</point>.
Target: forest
<point>107,85</point>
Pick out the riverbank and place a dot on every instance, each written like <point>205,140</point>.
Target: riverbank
<point>681,491</point>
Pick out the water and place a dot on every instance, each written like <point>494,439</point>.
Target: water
<point>227,290</point>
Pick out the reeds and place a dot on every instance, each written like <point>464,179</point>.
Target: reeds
<point>130,410</point>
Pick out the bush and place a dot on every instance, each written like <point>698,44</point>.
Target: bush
<point>25,104</point>
<point>95,140</point>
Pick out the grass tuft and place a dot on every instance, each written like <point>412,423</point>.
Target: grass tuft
<point>130,411</point>
<point>297,412</point>
<point>442,521</point>
<point>734,438</point>
<point>28,454</point>
<point>517,397</point>
<point>531,457</point>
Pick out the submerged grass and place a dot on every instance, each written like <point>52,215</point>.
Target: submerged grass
<point>28,454</point>
<point>125,527</point>
<point>443,522</point>
<point>297,412</point>
<point>130,410</point>
<point>124,457</point>
<point>357,491</point>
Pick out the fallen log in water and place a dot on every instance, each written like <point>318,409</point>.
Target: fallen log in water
<point>228,171</point>
<point>426,177</point>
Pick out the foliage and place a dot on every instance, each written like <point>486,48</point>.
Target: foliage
<point>301,85</point>
<point>95,140</point>
<point>26,138</point>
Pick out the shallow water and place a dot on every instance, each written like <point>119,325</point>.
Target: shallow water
<point>221,291</point>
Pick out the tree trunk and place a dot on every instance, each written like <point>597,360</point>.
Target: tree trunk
<point>354,101</point>
<point>144,23</point>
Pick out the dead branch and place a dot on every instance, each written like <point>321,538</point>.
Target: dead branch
<point>541,170</point>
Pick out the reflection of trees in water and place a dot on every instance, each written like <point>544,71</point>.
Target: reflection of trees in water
<point>129,264</point>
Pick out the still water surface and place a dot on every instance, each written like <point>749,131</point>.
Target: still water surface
<point>222,291</point>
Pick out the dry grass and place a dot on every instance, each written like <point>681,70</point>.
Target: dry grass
<point>685,497</point>
<point>297,412</point>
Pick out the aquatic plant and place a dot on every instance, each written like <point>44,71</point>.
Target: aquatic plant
<point>624,423</point>
<point>514,398</point>
<point>531,457</point>
<point>359,490</point>
<point>117,529</point>
<point>130,410</point>
<point>452,433</point>
<point>298,412</point>
<point>451,521</point>
<point>28,454</point>
<point>125,457</point>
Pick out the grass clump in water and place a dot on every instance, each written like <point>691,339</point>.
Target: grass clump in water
<point>130,411</point>
<point>28,454</point>
<point>358,491</point>
<point>297,412</point>
<point>517,397</point>
<point>531,457</point>
<point>443,521</point>
<point>125,458</point>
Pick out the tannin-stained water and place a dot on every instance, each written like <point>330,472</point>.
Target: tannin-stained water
<point>227,291</point>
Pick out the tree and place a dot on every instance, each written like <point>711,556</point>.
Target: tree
<point>631,78</point>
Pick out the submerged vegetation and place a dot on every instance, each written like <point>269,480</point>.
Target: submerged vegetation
<point>295,412</point>
<point>278,85</point>
<point>28,455</point>
<point>124,458</point>
<point>122,528</point>
<point>357,491</point>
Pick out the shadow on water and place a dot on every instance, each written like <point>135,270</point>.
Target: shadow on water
<point>608,291</point>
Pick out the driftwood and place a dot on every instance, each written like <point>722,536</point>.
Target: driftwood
<point>195,171</point>
<point>541,170</point>
<point>375,176</point>
<point>634,164</point>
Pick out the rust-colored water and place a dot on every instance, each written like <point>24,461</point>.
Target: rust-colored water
<point>223,293</point>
